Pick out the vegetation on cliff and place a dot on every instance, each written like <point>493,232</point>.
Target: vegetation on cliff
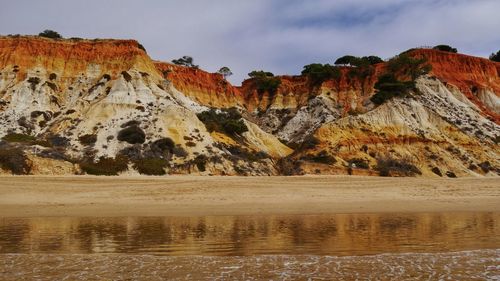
<point>265,81</point>
<point>445,48</point>
<point>225,121</point>
<point>495,57</point>
<point>399,79</point>
<point>358,61</point>
<point>185,61</point>
<point>319,73</point>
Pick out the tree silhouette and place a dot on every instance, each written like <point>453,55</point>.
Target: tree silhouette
<point>225,72</point>
<point>185,61</point>
<point>50,34</point>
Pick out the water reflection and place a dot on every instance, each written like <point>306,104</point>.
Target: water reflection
<point>349,234</point>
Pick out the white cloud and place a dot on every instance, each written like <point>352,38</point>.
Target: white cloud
<point>276,35</point>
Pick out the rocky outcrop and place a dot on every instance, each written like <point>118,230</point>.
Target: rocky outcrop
<point>77,103</point>
<point>476,78</point>
<point>208,89</point>
<point>433,131</point>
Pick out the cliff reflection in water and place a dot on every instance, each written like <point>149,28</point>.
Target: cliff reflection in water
<point>349,234</point>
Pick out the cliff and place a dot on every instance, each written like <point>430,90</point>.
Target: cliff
<point>104,107</point>
<point>477,78</point>
<point>209,89</point>
<point>71,58</point>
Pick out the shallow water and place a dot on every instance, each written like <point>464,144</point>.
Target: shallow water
<point>465,265</point>
<point>338,235</point>
<point>460,246</point>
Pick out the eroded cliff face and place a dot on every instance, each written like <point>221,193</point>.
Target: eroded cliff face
<point>477,78</point>
<point>208,89</point>
<point>82,100</point>
<point>78,97</point>
<point>428,130</point>
<point>72,58</point>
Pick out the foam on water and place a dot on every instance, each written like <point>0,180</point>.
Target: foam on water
<point>463,265</point>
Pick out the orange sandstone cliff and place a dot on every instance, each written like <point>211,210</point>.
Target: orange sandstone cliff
<point>79,102</point>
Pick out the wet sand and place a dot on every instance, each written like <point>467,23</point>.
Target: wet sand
<point>87,196</point>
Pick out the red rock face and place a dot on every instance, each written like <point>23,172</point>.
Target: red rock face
<point>208,89</point>
<point>297,90</point>
<point>469,74</point>
<point>70,58</point>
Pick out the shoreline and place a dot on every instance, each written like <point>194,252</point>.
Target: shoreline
<point>143,196</point>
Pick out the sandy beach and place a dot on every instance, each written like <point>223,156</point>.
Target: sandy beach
<point>86,196</point>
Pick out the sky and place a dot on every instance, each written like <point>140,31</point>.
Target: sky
<point>280,36</point>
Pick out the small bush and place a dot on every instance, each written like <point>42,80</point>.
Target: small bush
<point>319,73</point>
<point>436,171</point>
<point>450,174</point>
<point>106,77</point>
<point>33,81</point>
<point>185,61</point>
<point>105,166</point>
<point>445,48</point>
<point>151,166</point>
<point>22,138</point>
<point>180,152</point>
<point>53,76</point>
<point>495,57</point>
<point>410,67</point>
<point>357,61</point>
<point>260,73</point>
<point>26,139</point>
<point>201,161</point>
<point>141,47</point>
<point>165,144</point>
<point>88,139</point>
<point>13,159</point>
<point>51,86</point>
<point>227,121</point>
<point>322,157</point>
<point>245,154</point>
<point>50,34</point>
<point>59,141</point>
<point>126,76</point>
<point>388,87</point>
<point>132,135</point>
<point>486,166</point>
<point>130,123</point>
<point>190,144</point>
<point>265,81</point>
<point>396,167</point>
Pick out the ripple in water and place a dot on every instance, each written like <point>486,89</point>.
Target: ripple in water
<point>465,265</point>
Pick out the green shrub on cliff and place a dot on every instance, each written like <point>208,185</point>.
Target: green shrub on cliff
<point>50,34</point>
<point>13,159</point>
<point>225,121</point>
<point>319,73</point>
<point>358,61</point>
<point>105,166</point>
<point>445,48</point>
<point>495,57</point>
<point>399,78</point>
<point>388,87</point>
<point>265,81</point>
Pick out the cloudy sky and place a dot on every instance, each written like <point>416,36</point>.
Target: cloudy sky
<point>275,35</point>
